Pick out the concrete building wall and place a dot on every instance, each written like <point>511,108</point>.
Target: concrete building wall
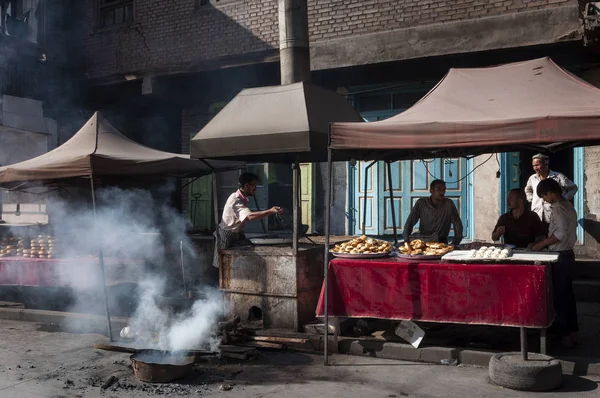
<point>486,196</point>
<point>591,166</point>
<point>591,216</point>
<point>180,35</point>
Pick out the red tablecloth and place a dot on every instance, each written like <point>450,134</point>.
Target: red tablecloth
<point>81,272</point>
<point>490,294</point>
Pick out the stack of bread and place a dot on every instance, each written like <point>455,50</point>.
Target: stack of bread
<point>42,246</point>
<point>363,245</point>
<point>418,247</point>
<point>8,247</point>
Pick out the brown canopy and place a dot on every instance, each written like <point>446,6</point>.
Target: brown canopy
<point>526,105</point>
<point>99,149</point>
<point>275,123</point>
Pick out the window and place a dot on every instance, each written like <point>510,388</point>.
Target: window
<point>11,17</point>
<point>114,12</point>
<point>204,4</point>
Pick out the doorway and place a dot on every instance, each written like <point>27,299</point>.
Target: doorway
<point>562,162</point>
<point>568,162</point>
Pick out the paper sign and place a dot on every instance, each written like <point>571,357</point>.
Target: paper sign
<point>410,332</point>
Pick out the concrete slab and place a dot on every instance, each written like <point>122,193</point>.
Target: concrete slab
<point>65,365</point>
<point>577,361</point>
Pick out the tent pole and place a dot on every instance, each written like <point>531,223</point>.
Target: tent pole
<point>215,199</point>
<point>101,259</point>
<point>328,197</point>
<point>295,205</point>
<point>364,226</point>
<point>393,211</point>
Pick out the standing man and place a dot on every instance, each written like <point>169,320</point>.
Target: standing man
<point>236,214</point>
<point>562,236</point>
<point>436,213</point>
<point>520,227</point>
<point>541,166</point>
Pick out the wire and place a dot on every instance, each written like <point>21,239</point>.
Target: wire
<point>389,87</point>
<point>46,194</point>
<point>466,175</point>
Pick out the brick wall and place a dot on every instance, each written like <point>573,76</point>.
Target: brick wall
<point>174,34</point>
<point>338,18</point>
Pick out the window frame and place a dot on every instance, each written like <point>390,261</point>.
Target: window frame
<point>102,6</point>
<point>16,4</point>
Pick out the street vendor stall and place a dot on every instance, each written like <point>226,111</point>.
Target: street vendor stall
<point>534,105</point>
<point>96,152</point>
<point>277,124</point>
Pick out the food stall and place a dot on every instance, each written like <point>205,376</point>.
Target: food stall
<point>95,154</point>
<point>533,104</point>
<point>279,278</point>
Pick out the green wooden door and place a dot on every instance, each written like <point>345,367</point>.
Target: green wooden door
<point>307,180</point>
<point>201,209</point>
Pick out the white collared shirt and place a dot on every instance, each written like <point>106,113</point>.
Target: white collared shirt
<point>541,208</point>
<point>236,210</point>
<point>563,225</point>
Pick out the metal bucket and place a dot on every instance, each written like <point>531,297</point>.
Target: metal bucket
<point>154,366</point>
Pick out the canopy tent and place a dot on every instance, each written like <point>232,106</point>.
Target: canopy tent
<point>532,105</point>
<point>279,124</point>
<point>276,124</point>
<point>99,149</point>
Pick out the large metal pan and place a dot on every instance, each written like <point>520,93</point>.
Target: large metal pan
<point>154,366</point>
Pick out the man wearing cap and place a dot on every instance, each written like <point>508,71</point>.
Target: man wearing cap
<point>236,214</point>
<point>541,166</point>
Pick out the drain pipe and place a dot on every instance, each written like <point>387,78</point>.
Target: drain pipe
<point>294,56</point>
<point>294,51</point>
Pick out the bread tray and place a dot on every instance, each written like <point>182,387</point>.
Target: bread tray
<point>418,257</point>
<point>360,255</point>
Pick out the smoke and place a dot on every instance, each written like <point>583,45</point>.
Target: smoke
<point>141,236</point>
<point>196,326</point>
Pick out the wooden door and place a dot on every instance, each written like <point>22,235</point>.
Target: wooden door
<point>201,209</point>
<point>307,180</point>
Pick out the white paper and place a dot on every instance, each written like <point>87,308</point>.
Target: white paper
<point>410,332</point>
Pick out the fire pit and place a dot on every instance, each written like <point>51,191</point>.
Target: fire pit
<point>156,366</point>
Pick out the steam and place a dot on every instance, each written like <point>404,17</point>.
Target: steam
<point>134,226</point>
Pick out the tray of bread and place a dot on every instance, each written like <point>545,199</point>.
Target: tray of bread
<point>362,247</point>
<point>418,249</point>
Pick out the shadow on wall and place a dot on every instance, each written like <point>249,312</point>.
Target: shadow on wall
<point>193,36</point>
<point>592,227</point>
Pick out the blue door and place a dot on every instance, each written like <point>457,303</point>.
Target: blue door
<point>510,176</point>
<point>410,181</point>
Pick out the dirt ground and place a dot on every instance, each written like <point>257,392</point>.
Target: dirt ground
<point>40,362</point>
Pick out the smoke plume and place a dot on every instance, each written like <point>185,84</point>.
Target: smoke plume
<point>141,236</point>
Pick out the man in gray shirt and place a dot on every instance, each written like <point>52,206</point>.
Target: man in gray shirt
<point>435,213</point>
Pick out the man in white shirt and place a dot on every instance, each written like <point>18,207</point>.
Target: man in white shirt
<point>236,214</point>
<point>562,236</point>
<point>541,166</point>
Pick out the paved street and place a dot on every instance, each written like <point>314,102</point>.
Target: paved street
<point>37,363</point>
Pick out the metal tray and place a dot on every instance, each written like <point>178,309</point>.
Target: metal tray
<point>359,255</point>
<point>271,241</point>
<point>418,257</point>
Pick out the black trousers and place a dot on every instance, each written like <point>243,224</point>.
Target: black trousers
<point>565,306</point>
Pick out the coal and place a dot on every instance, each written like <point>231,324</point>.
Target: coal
<point>109,382</point>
